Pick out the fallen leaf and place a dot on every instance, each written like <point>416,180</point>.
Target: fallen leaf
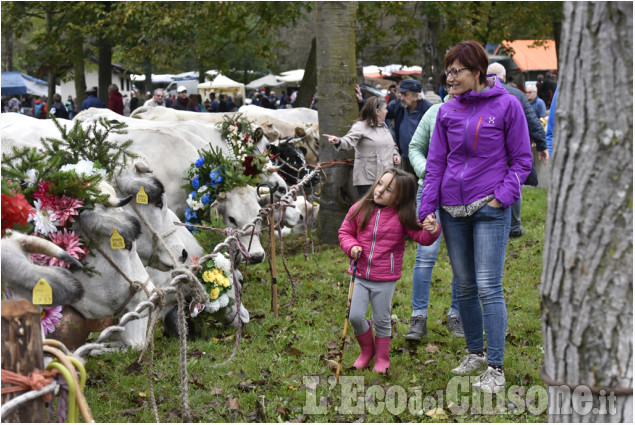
<point>246,386</point>
<point>232,404</point>
<point>299,419</point>
<point>427,362</point>
<point>332,363</point>
<point>282,410</point>
<point>130,412</point>
<point>437,413</point>
<point>331,345</point>
<point>197,354</point>
<point>134,368</point>
<point>432,348</point>
<point>217,391</point>
<point>194,380</point>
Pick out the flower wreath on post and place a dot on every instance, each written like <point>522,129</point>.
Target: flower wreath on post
<point>45,189</point>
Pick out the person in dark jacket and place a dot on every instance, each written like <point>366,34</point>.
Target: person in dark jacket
<point>58,109</point>
<point>223,106</point>
<point>182,102</point>
<point>115,100</point>
<point>536,135</point>
<point>91,101</point>
<point>407,115</point>
<point>134,101</point>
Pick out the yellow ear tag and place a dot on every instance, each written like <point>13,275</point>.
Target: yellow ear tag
<point>42,293</point>
<point>142,196</point>
<point>116,240</point>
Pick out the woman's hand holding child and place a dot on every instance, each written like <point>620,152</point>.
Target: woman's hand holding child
<point>431,224</point>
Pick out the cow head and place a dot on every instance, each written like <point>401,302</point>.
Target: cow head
<point>237,208</point>
<point>155,213</point>
<point>292,163</point>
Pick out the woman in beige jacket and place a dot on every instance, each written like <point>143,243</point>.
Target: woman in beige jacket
<point>375,148</point>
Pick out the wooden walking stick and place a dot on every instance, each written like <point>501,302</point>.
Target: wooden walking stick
<point>274,279</point>
<point>348,313</point>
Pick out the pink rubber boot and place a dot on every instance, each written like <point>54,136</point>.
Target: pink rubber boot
<point>367,345</point>
<point>382,349</point>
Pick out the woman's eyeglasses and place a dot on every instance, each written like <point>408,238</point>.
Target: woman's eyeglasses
<point>454,71</point>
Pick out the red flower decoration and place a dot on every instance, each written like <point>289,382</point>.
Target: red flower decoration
<point>250,167</point>
<point>15,210</point>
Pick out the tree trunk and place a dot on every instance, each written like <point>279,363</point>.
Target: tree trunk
<point>22,353</point>
<point>147,70</point>
<point>79,70</point>
<point>587,281</point>
<point>309,80</point>
<point>7,51</point>
<point>105,69</point>
<point>338,108</point>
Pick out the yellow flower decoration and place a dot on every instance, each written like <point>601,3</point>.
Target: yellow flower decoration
<point>225,282</point>
<point>208,276</point>
<point>214,294</point>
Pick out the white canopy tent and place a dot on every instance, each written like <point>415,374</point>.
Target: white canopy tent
<point>292,77</point>
<point>266,81</point>
<point>222,85</point>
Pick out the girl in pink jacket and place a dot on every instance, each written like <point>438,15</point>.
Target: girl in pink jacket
<point>374,233</point>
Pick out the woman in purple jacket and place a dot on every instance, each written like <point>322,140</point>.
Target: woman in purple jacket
<point>479,158</point>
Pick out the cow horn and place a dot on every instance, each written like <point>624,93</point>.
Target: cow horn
<point>142,167</point>
<point>221,195</point>
<point>258,134</point>
<point>35,245</point>
<point>112,200</point>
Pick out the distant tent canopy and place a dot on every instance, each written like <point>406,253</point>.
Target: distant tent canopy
<point>266,81</point>
<point>220,85</point>
<point>15,83</point>
<point>531,57</point>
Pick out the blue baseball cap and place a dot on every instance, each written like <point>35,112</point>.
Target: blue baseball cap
<point>409,85</point>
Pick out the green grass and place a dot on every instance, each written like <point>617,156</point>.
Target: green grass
<point>266,376</point>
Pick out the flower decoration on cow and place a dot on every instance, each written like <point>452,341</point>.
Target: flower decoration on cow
<point>219,171</point>
<point>216,277</point>
<point>44,191</point>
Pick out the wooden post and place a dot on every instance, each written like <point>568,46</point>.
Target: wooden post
<point>21,353</point>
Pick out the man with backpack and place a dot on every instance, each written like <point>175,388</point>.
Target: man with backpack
<point>39,109</point>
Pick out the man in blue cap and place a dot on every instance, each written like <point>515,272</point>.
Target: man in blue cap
<point>407,115</point>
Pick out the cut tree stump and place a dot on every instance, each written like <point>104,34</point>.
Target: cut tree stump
<point>22,353</point>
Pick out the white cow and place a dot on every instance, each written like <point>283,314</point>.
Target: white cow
<point>109,294</point>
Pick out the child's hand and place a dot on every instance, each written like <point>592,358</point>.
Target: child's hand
<point>356,251</point>
<point>432,227</point>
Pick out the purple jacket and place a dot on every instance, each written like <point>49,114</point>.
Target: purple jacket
<point>383,242</point>
<point>480,146</point>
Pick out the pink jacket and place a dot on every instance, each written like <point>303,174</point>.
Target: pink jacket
<point>383,242</point>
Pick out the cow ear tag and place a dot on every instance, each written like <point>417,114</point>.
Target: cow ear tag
<point>42,293</point>
<point>116,240</point>
<point>142,196</point>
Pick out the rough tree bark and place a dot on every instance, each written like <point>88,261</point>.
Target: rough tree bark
<point>587,281</point>
<point>338,108</point>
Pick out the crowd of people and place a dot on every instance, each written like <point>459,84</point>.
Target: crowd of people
<point>454,167</point>
<point>123,104</point>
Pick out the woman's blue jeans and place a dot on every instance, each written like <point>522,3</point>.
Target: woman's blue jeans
<point>422,276</point>
<point>476,247</point>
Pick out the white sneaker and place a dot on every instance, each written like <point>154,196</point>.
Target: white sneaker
<point>491,381</point>
<point>470,363</point>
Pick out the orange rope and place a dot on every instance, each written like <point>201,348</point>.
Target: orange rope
<point>35,381</point>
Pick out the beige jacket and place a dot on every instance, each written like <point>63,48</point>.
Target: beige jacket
<point>374,150</point>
